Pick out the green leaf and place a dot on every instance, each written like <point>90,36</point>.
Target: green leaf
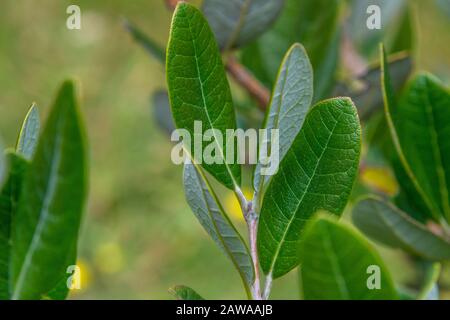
<point>210,214</point>
<point>184,293</point>
<point>146,42</point>
<point>337,264</point>
<point>29,133</point>
<point>238,22</point>
<point>422,123</point>
<point>419,125</point>
<point>390,103</point>
<point>2,164</point>
<point>161,111</point>
<point>317,173</point>
<point>301,21</point>
<point>9,197</point>
<point>199,90</point>
<point>61,290</point>
<point>52,200</point>
<point>291,100</point>
<point>385,223</point>
<point>368,97</point>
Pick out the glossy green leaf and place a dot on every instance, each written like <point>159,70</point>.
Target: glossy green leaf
<point>238,22</point>
<point>300,21</point>
<point>199,89</point>
<point>390,104</point>
<point>146,42</point>
<point>9,197</point>
<point>52,200</point>
<point>419,125</point>
<point>291,100</point>
<point>161,111</point>
<point>317,173</point>
<point>29,133</point>
<point>368,96</point>
<point>184,293</point>
<point>337,264</point>
<point>211,216</point>
<point>385,223</point>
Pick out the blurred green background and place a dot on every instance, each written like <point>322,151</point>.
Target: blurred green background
<point>139,236</point>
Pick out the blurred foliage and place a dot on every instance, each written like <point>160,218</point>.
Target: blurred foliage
<point>136,200</point>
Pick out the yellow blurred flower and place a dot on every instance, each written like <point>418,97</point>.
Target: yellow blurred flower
<point>108,257</point>
<point>379,179</point>
<point>231,204</point>
<point>84,272</point>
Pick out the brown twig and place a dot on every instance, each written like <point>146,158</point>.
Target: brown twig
<point>245,79</point>
<point>172,4</point>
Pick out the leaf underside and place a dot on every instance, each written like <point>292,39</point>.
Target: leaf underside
<point>291,100</point>
<point>387,224</point>
<point>29,133</point>
<point>238,22</point>
<point>211,216</point>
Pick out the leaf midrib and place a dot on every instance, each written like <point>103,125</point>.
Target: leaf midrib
<point>43,215</point>
<point>204,101</point>
<point>277,252</point>
<point>328,244</point>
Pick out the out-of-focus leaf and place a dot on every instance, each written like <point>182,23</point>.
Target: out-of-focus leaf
<point>237,22</point>
<point>389,225</point>
<point>184,293</point>
<point>291,100</point>
<point>9,197</point>
<point>2,164</point>
<point>29,133</point>
<point>301,21</point>
<point>444,5</point>
<point>404,39</point>
<point>146,42</point>
<point>419,124</point>
<point>161,111</point>
<point>399,125</point>
<point>211,216</point>
<point>368,97</point>
<point>409,199</point>
<point>317,173</point>
<point>394,21</point>
<point>51,203</point>
<point>199,90</point>
<point>422,124</point>
<point>337,264</point>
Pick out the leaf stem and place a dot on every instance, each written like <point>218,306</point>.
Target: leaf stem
<point>267,286</point>
<point>251,218</point>
<point>246,80</point>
